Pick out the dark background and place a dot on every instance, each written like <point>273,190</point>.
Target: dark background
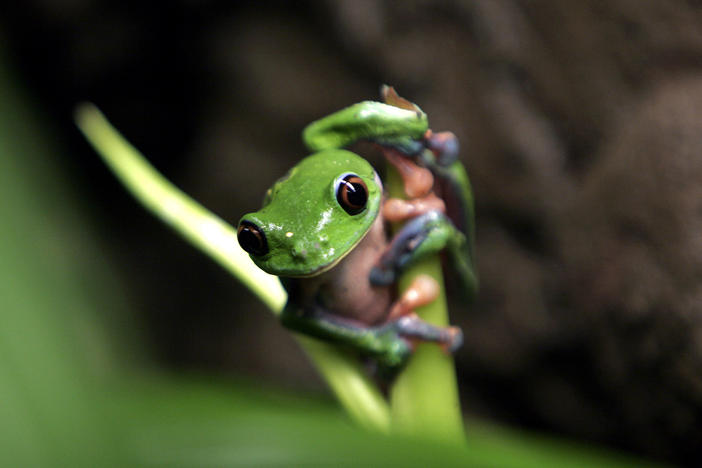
<point>581,127</point>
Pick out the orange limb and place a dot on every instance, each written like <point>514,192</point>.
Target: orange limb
<point>397,209</point>
<point>422,291</point>
<point>418,181</point>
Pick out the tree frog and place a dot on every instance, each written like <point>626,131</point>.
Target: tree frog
<point>324,229</point>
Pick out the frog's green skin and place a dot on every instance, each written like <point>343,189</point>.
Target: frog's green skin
<point>339,268</point>
<point>368,120</point>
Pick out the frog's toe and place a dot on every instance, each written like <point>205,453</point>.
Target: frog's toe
<point>456,339</point>
<point>445,146</point>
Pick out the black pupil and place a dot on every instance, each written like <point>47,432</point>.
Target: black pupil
<point>252,239</point>
<point>355,194</point>
<point>352,194</point>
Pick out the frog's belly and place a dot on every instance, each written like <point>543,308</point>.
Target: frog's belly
<point>346,289</point>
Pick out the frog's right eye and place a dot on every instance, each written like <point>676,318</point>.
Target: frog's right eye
<point>352,193</point>
<point>252,239</point>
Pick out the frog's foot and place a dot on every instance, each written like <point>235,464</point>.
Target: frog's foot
<point>397,209</point>
<point>414,328</point>
<point>397,340</point>
<point>418,181</point>
<point>421,236</point>
<point>422,291</point>
<point>444,145</point>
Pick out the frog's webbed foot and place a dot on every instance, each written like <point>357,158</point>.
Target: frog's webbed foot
<point>422,291</point>
<point>444,147</point>
<point>396,340</point>
<point>421,236</point>
<point>414,328</point>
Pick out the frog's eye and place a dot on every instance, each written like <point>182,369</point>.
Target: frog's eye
<point>252,239</point>
<point>352,194</point>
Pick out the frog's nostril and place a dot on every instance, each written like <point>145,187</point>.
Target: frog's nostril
<point>298,251</point>
<point>252,239</point>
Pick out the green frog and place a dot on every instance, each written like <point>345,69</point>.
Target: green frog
<point>325,230</point>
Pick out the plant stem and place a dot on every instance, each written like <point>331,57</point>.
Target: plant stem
<point>424,398</point>
<point>344,375</point>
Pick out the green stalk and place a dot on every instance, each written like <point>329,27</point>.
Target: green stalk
<point>424,398</point>
<point>344,375</point>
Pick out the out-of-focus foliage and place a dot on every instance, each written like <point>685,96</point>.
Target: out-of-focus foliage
<point>50,294</point>
<point>69,398</point>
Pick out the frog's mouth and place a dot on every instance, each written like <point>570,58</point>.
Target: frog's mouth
<point>324,268</point>
<point>322,246</point>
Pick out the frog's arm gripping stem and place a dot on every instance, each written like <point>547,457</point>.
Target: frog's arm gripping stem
<point>381,343</point>
<point>389,344</point>
<point>425,235</point>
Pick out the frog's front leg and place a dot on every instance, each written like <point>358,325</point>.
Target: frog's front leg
<point>421,236</point>
<point>383,343</point>
<point>389,343</point>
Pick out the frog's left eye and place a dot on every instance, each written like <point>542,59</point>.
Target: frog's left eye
<point>352,194</point>
<point>252,239</point>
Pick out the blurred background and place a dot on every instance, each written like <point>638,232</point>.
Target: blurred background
<point>581,128</point>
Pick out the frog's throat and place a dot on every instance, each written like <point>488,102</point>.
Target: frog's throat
<point>335,262</point>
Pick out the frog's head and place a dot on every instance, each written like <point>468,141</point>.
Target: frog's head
<point>313,216</point>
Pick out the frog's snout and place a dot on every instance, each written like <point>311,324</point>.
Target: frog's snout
<point>252,239</point>
<point>298,251</point>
